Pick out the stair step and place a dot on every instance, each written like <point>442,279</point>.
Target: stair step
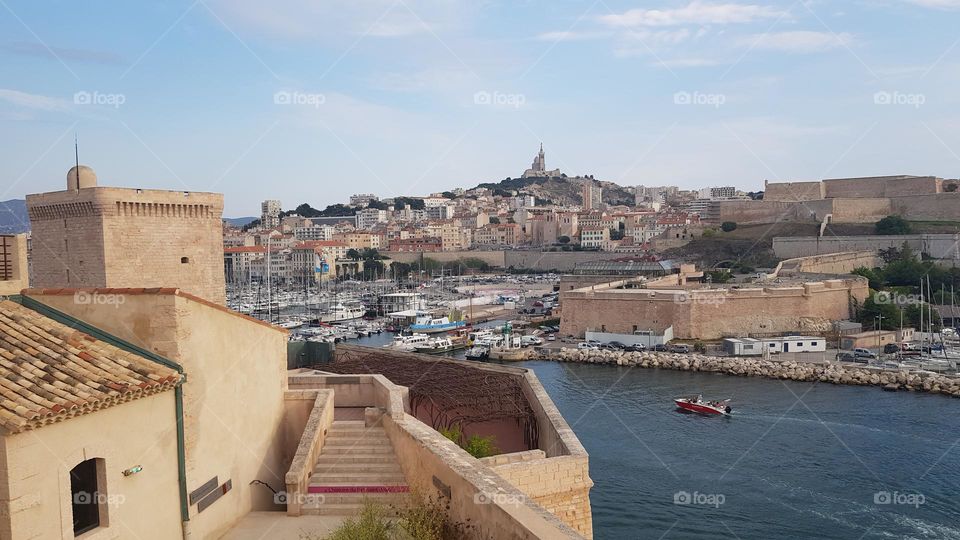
<point>341,459</point>
<point>358,488</point>
<point>321,500</point>
<point>358,441</point>
<point>357,478</point>
<point>353,468</point>
<point>362,449</point>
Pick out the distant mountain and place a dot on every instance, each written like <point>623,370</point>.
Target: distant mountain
<point>239,221</point>
<point>13,217</point>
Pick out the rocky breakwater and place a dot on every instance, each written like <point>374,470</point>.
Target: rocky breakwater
<point>756,367</point>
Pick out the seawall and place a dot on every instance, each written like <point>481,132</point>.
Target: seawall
<point>754,367</point>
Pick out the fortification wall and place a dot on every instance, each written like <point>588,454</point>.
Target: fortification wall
<point>865,210</point>
<point>838,263</point>
<point>938,246</point>
<point>118,237</point>
<point>493,258</point>
<point>939,207</point>
<point>713,314</point>
<point>793,191</point>
<point>881,186</point>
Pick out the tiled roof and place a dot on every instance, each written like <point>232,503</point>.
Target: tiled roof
<point>50,372</point>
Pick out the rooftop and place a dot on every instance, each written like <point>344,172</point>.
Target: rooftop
<point>51,371</point>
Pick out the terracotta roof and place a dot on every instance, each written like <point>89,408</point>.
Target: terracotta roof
<point>51,372</point>
<point>166,290</point>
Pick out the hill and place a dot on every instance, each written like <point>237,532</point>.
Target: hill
<point>239,221</point>
<point>560,190</point>
<point>13,217</point>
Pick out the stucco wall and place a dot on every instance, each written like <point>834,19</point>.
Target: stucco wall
<point>35,473</point>
<point>233,395</point>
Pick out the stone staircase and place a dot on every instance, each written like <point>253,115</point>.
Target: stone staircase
<point>355,463</point>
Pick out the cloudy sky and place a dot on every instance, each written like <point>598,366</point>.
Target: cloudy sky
<point>307,100</point>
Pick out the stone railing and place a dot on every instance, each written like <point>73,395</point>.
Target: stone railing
<point>305,459</point>
<point>432,463</point>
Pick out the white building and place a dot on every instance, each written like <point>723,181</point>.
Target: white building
<point>370,218</point>
<point>314,232</point>
<point>791,344</point>
<point>362,199</point>
<point>440,211</point>
<point>270,214</point>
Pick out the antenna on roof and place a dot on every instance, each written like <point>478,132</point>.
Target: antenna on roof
<point>76,153</point>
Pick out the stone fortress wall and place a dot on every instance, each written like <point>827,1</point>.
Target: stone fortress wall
<point>131,238</point>
<point>806,302</point>
<point>847,200</point>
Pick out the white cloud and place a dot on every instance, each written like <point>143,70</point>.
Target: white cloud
<point>696,12</point>
<point>802,41</point>
<point>32,101</point>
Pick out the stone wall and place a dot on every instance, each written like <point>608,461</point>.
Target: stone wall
<point>493,258</point>
<point>862,210</point>
<point>881,186</point>
<point>560,261</point>
<point>938,246</point>
<point>711,313</point>
<point>940,207</point>
<point>835,263</point>
<point>118,237</point>
<point>14,269</point>
<point>793,191</point>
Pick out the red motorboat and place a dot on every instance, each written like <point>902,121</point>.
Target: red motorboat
<point>698,405</point>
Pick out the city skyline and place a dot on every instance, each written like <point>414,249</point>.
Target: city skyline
<point>410,98</point>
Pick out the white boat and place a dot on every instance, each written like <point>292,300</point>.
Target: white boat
<point>341,313</point>
<point>408,343</point>
<point>432,325</point>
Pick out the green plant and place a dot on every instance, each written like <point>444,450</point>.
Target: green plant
<point>728,226</point>
<point>708,233</point>
<point>892,225</point>
<point>481,447</point>
<point>425,519</point>
<point>453,433</point>
<point>371,524</point>
<point>698,346</point>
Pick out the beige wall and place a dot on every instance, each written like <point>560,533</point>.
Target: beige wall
<point>118,237</point>
<point>14,271</point>
<point>881,186</point>
<point>35,473</point>
<point>810,307</point>
<point>233,395</point>
<point>793,191</point>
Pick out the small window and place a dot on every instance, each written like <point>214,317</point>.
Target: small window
<point>184,260</point>
<point>85,497</point>
<point>800,344</point>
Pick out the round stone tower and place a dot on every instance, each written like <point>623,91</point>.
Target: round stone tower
<point>87,179</point>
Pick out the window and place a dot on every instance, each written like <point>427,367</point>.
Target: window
<point>85,496</point>
<point>184,260</point>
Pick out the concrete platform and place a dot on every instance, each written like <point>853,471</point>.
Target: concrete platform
<point>270,525</point>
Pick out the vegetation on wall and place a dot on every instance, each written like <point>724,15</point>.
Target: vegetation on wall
<point>893,225</point>
<point>475,445</point>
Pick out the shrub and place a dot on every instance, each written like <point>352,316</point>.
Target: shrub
<point>481,447</point>
<point>708,233</point>
<point>371,524</point>
<point>728,226</point>
<point>892,225</point>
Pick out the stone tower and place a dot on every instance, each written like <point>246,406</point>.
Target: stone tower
<point>92,236</point>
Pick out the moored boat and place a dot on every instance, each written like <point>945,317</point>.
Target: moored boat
<point>698,405</point>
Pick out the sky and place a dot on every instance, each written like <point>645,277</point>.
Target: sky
<point>311,101</point>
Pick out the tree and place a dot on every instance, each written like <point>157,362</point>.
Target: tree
<point>494,220</point>
<point>892,225</point>
<point>872,309</point>
<point>616,234</point>
<point>950,188</point>
<point>875,279</point>
<point>564,239</point>
<point>377,205</point>
<point>728,226</point>
<point>353,254</point>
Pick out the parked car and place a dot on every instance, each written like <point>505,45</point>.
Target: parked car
<point>846,356</point>
<point>588,346</point>
<point>681,348</point>
<point>864,353</point>
<point>618,345</point>
<point>891,348</point>
<point>551,337</point>
<point>639,347</point>
<point>660,348</point>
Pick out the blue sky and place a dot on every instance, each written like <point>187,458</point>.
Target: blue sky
<point>311,101</point>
